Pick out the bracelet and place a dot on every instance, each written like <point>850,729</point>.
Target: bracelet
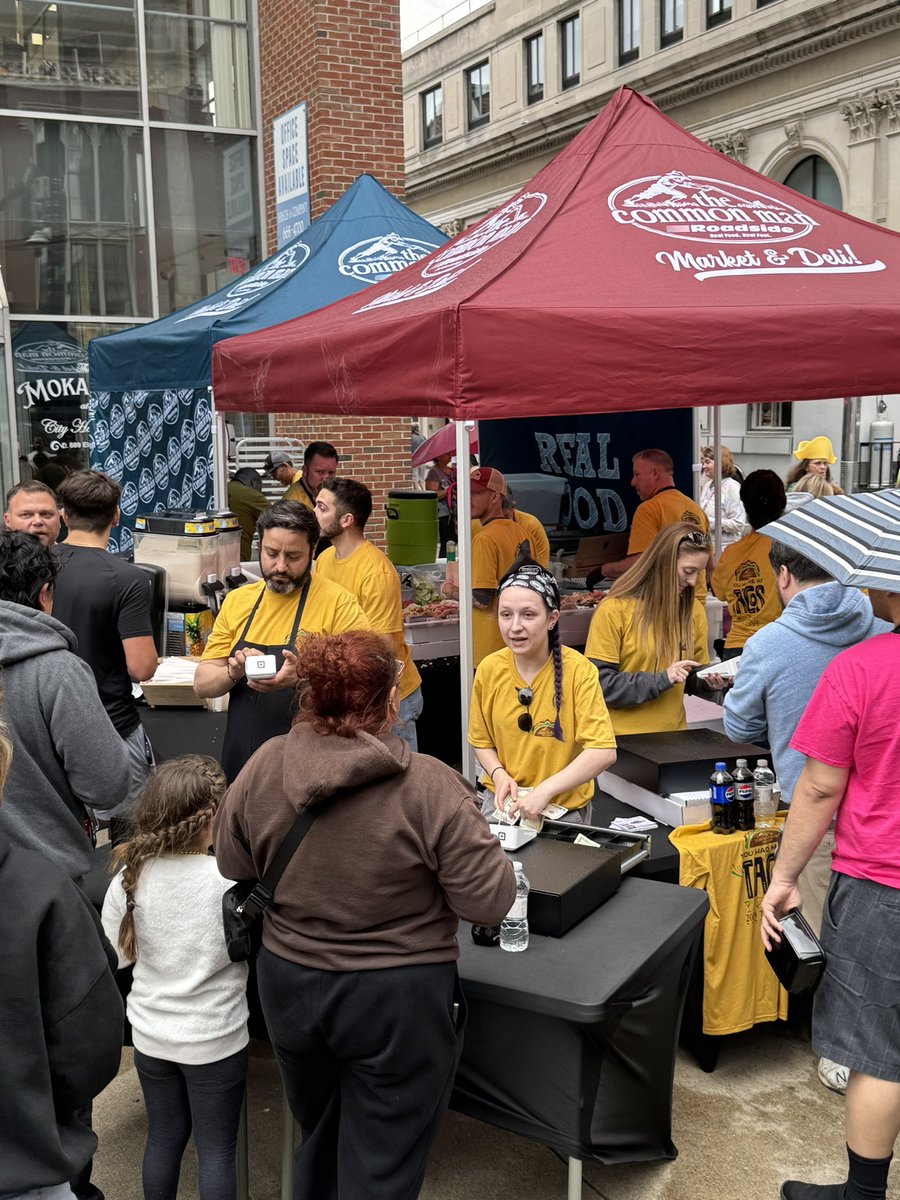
<point>494,772</point>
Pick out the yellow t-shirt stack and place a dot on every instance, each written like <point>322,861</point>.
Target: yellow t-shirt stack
<point>667,507</point>
<point>370,576</point>
<point>744,579</point>
<point>494,550</point>
<point>329,609</point>
<point>615,637</point>
<point>534,756</point>
<point>740,989</point>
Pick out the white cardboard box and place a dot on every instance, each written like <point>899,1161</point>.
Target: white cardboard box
<point>669,810</point>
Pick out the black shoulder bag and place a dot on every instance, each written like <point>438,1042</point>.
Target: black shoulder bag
<point>245,902</point>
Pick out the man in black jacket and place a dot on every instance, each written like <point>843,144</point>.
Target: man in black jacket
<point>60,1022</point>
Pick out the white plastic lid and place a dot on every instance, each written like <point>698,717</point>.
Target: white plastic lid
<point>517,866</point>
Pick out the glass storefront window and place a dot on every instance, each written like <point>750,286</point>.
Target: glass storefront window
<point>198,72</point>
<point>69,57</point>
<point>73,237</point>
<point>50,383</point>
<point>205,203</point>
<point>217,10</point>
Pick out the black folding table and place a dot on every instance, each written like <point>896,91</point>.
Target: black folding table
<point>572,1043</point>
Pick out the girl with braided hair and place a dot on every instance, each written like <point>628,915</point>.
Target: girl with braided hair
<point>538,719</point>
<point>188,1003</point>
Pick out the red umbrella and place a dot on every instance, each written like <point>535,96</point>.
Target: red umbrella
<point>442,442</point>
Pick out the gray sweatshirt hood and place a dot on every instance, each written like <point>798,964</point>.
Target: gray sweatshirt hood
<point>28,632</point>
<point>830,613</point>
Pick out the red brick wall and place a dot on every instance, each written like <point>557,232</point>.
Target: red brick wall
<point>343,58</point>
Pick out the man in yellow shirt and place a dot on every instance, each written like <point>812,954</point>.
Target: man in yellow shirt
<point>343,506</point>
<point>661,505</point>
<point>494,550</point>
<point>319,465</point>
<point>268,618</point>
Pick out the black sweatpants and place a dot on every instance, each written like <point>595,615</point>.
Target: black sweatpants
<point>368,1060</point>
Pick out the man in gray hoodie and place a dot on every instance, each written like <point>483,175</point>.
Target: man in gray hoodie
<point>67,756</point>
<point>780,667</point>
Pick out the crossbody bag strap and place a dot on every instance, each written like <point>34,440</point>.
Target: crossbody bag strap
<point>264,889</point>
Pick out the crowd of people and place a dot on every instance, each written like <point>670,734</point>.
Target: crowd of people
<point>356,975</point>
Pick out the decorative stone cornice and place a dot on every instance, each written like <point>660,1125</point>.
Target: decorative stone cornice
<point>735,145</point>
<point>793,131</point>
<point>862,113</point>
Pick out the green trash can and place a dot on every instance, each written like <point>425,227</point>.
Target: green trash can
<point>412,527</point>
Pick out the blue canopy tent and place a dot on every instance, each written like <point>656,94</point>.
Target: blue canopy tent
<point>150,402</point>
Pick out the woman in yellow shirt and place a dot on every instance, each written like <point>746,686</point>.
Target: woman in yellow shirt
<point>538,719</point>
<point>650,633</point>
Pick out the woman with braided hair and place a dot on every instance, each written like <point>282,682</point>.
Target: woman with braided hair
<point>538,719</point>
<point>188,1003</point>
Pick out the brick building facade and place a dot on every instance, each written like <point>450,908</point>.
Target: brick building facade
<point>344,61</point>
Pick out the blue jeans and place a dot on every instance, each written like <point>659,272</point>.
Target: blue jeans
<point>409,712</point>
<point>204,1099</point>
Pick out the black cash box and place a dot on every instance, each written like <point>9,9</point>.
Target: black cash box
<point>678,761</point>
<point>568,882</point>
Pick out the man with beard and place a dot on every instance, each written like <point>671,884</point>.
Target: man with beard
<point>343,506</point>
<point>268,617</point>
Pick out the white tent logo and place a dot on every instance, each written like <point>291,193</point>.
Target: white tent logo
<point>378,258</point>
<point>696,208</point>
<point>268,275</point>
<point>466,250</point>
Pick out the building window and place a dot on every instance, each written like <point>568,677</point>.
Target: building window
<point>768,418</point>
<point>717,11</point>
<point>814,177</point>
<point>763,3</point>
<point>671,22</point>
<point>570,51</point>
<point>534,68</point>
<point>432,117</point>
<point>478,94</point>
<point>629,30</point>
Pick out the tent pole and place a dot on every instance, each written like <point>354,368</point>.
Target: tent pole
<point>717,477</point>
<point>220,456</point>
<point>464,568</point>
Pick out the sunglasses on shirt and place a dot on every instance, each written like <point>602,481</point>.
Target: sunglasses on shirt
<point>525,695</point>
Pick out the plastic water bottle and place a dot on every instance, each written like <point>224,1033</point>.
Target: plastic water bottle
<point>744,795</point>
<point>764,795</point>
<point>721,798</point>
<point>514,926</point>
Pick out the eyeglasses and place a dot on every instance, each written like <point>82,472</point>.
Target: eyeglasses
<point>525,695</point>
<point>696,539</point>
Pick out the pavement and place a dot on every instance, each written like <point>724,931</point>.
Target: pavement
<point>761,1117</point>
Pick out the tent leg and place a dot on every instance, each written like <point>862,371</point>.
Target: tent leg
<point>574,1190</point>
<point>464,567</point>
<point>220,457</point>
<point>717,478</point>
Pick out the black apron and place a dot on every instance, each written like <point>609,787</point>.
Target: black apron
<point>254,717</point>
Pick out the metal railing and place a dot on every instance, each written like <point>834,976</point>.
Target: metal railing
<point>465,9</point>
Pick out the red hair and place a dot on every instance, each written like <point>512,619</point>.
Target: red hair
<point>345,682</point>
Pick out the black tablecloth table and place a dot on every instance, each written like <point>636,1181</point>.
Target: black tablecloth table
<point>572,1043</point>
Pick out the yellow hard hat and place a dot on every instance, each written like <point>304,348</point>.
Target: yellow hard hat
<point>818,447</point>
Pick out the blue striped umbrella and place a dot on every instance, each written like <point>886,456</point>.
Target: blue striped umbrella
<point>856,539</point>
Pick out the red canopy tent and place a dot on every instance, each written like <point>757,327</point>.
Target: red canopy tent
<point>639,269</point>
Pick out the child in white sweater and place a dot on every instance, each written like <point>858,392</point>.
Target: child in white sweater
<point>188,1003</point>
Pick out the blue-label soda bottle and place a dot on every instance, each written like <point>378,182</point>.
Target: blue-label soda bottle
<point>721,799</point>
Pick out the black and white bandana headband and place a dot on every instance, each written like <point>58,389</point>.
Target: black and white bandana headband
<point>536,579</point>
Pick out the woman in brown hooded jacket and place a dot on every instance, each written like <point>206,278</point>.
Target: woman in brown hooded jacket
<point>357,974</point>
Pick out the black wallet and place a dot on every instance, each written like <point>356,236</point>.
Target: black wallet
<point>798,959</point>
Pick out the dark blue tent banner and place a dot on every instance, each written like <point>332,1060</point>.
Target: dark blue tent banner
<point>165,367</point>
<point>593,454</point>
<point>158,446</point>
